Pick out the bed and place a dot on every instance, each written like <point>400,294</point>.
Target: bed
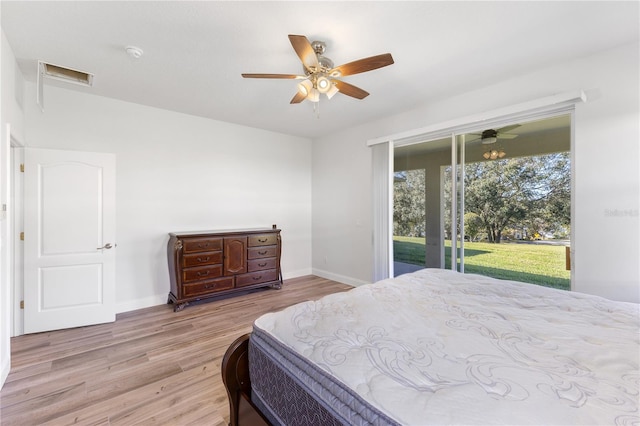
<point>440,347</point>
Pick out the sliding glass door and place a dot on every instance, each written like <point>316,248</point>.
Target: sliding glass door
<point>494,202</point>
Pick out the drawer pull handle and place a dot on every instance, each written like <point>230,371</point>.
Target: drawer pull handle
<point>208,286</point>
<point>206,259</point>
<point>263,240</point>
<point>200,274</point>
<point>203,245</point>
<point>262,252</point>
<point>262,264</point>
<point>257,278</point>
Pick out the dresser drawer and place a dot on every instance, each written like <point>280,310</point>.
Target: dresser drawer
<point>206,287</point>
<point>260,252</point>
<point>261,264</point>
<point>263,240</point>
<point>256,278</point>
<point>193,245</point>
<point>204,258</point>
<point>201,273</point>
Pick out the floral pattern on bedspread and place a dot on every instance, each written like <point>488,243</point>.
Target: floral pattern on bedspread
<point>438,346</point>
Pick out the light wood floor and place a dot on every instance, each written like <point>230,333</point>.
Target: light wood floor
<point>151,366</point>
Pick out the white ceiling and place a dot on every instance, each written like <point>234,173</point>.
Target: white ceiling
<point>194,52</point>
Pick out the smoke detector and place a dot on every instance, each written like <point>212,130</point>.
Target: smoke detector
<point>133,51</point>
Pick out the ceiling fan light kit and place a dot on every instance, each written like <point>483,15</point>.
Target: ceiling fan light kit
<point>312,87</point>
<point>332,91</point>
<point>494,154</point>
<point>323,84</point>
<point>321,77</point>
<point>313,95</point>
<point>305,87</point>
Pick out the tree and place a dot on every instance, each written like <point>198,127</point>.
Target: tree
<point>557,207</point>
<point>499,192</point>
<point>409,215</point>
<point>530,193</point>
<point>472,225</point>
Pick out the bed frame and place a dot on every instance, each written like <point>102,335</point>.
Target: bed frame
<point>235,376</point>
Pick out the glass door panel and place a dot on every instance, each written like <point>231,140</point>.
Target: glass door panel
<point>516,206</point>
<point>417,213</point>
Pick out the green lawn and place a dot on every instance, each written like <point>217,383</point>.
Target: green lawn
<point>530,263</point>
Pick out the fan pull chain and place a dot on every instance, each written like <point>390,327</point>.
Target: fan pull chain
<point>316,109</point>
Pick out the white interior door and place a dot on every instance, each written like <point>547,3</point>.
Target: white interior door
<point>69,242</point>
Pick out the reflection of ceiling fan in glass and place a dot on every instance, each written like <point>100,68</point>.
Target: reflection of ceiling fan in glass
<point>494,154</point>
<point>491,136</point>
<point>320,74</point>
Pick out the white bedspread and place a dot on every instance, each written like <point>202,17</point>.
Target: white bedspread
<point>440,347</point>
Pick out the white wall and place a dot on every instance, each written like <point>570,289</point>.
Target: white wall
<point>12,91</point>
<point>607,183</point>
<point>177,172</point>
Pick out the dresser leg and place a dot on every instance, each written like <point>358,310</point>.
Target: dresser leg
<point>180,306</point>
<point>278,286</point>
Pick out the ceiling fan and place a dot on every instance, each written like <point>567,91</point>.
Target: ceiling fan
<point>320,75</point>
<point>490,136</point>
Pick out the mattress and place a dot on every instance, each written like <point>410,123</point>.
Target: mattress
<point>437,346</point>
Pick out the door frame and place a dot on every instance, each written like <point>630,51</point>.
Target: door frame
<point>17,221</point>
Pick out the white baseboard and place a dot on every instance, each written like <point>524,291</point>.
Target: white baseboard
<point>145,302</point>
<point>4,373</point>
<point>295,274</point>
<point>340,278</point>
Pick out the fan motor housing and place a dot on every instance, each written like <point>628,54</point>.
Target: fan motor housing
<point>490,133</point>
<point>324,63</point>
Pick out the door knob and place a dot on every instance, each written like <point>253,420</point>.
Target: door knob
<point>106,246</point>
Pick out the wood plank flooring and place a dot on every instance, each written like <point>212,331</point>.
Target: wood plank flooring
<point>151,366</point>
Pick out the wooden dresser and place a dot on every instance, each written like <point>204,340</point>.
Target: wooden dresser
<point>210,264</point>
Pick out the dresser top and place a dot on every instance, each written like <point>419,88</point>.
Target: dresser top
<point>224,232</point>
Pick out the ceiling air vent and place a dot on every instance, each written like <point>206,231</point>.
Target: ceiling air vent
<point>56,72</point>
<point>69,75</point>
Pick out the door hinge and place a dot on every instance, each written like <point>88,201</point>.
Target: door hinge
<point>22,304</point>
<point>22,236</point>
<point>22,167</point>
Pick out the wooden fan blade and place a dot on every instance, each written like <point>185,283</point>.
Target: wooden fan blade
<point>305,51</point>
<point>291,76</point>
<point>363,65</point>
<point>299,97</point>
<point>350,90</point>
<point>507,136</point>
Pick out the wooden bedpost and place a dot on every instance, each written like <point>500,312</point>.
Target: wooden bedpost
<point>235,375</point>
